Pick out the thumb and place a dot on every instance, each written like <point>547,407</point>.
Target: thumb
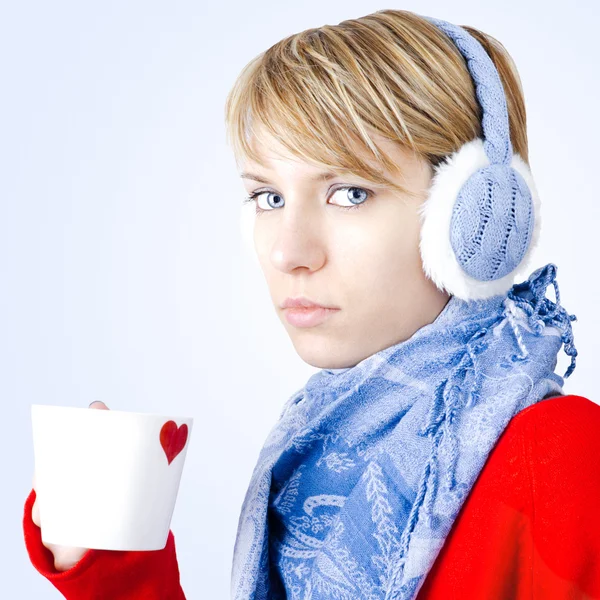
<point>98,404</point>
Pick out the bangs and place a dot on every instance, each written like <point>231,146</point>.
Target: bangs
<point>300,96</point>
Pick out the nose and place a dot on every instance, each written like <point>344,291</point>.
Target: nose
<point>298,242</point>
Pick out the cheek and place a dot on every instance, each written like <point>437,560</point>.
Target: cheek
<point>380,276</point>
<point>262,243</point>
<point>374,255</point>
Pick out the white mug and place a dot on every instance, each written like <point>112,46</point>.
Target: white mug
<point>107,479</point>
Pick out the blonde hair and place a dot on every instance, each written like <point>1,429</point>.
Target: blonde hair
<point>322,92</point>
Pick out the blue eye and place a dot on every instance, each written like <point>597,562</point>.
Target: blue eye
<point>365,194</point>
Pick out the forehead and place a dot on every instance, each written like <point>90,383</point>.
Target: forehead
<point>273,158</point>
<point>269,154</point>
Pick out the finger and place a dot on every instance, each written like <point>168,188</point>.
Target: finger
<point>35,514</point>
<point>65,557</point>
<point>99,405</point>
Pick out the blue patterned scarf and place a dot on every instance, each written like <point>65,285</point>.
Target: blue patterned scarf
<point>360,480</point>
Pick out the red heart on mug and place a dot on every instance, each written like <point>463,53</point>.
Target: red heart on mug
<point>173,439</point>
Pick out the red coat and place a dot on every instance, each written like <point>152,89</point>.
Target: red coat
<point>529,529</point>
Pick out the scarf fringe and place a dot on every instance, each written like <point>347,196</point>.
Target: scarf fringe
<point>541,311</point>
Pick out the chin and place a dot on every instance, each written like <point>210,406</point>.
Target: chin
<point>318,354</point>
<point>312,359</point>
<point>309,349</point>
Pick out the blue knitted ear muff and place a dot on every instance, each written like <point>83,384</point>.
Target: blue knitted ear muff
<point>481,219</point>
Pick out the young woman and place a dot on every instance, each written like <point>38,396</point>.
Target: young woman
<point>434,455</point>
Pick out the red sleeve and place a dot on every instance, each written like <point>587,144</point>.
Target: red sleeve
<point>530,528</point>
<point>107,574</point>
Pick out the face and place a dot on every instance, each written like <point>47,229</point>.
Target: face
<point>354,249</point>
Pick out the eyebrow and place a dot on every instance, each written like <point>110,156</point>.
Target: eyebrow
<point>321,176</point>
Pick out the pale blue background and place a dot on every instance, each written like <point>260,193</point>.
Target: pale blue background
<point>123,274</point>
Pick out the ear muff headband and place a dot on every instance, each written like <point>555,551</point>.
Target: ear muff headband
<point>481,219</point>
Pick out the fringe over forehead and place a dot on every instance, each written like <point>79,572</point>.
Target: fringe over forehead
<point>324,92</point>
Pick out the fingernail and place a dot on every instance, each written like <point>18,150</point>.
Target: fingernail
<point>92,402</point>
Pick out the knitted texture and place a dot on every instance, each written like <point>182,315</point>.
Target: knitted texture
<point>493,215</point>
<point>438,221</point>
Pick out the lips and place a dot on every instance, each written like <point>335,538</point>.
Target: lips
<point>303,302</point>
<point>308,316</point>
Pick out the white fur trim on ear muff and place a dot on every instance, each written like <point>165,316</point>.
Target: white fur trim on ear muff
<point>439,261</point>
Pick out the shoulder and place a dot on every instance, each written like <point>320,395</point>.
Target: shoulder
<point>560,449</point>
<point>550,453</point>
<point>569,406</point>
<point>530,526</point>
<point>560,442</point>
<point>560,431</point>
<point>565,428</point>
